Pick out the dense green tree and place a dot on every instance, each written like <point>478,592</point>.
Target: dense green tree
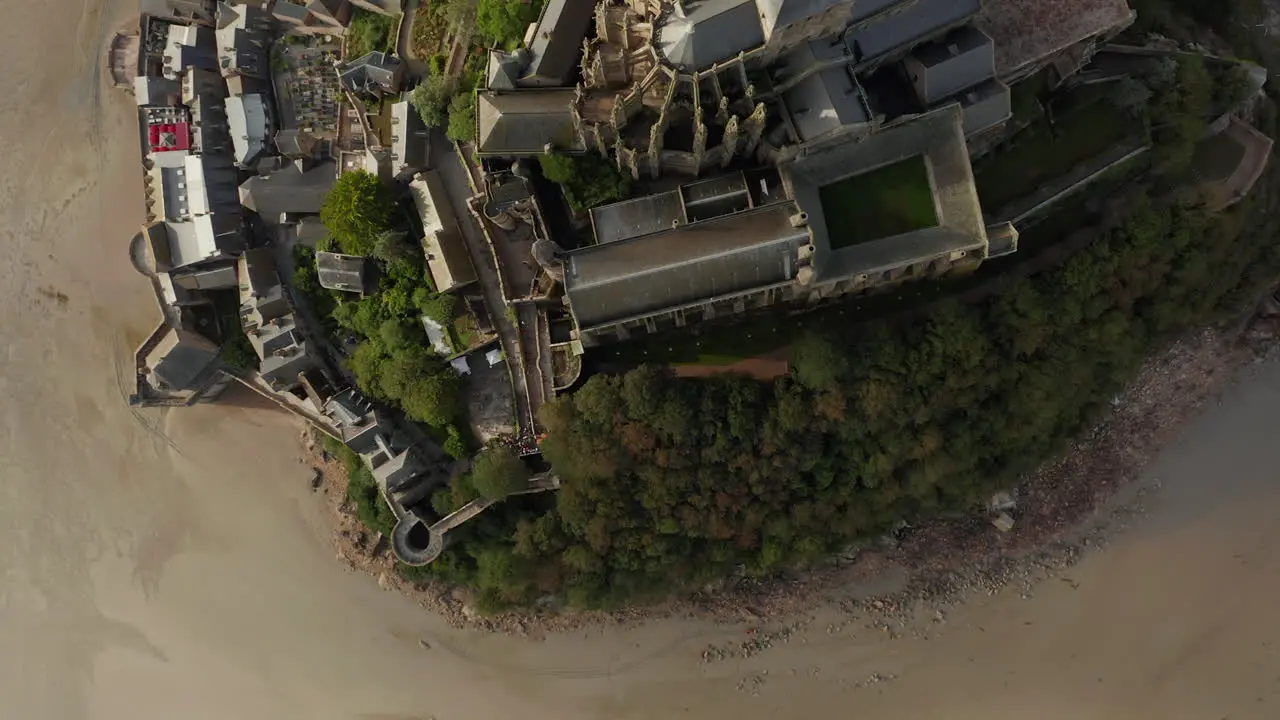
<point>357,209</point>
<point>497,472</point>
<point>817,362</point>
<point>462,117</point>
<point>505,21</point>
<point>587,180</point>
<point>431,99</point>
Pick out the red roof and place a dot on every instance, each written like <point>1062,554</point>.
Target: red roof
<point>169,136</point>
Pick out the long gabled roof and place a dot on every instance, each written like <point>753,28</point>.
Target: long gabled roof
<point>780,13</point>
<point>700,261</point>
<point>524,122</point>
<point>558,39</point>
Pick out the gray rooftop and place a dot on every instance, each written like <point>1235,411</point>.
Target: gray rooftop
<point>181,358</point>
<point>524,122</point>
<point>374,71</point>
<point>558,40</point>
<point>696,34</point>
<point>637,216</point>
<point>700,261</point>
<point>779,13</point>
<point>938,136</point>
<point>409,146</point>
<point>823,102</point>
<point>863,9</point>
<point>962,58</point>
<point>918,21</point>
<point>261,292</point>
<point>341,272</point>
<point>247,118</point>
<point>985,106</point>
<point>287,190</point>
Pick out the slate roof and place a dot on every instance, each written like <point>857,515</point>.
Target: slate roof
<point>652,273</point>
<point>917,21</point>
<point>699,33</point>
<point>774,14</point>
<point>1026,31</point>
<point>409,148</point>
<point>341,272</point>
<point>558,40</point>
<point>181,358</point>
<point>372,71</point>
<point>247,118</point>
<point>637,216</point>
<point>524,122</point>
<point>962,58</point>
<point>447,258</point>
<point>823,102</point>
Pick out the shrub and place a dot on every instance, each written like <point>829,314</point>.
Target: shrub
<point>497,473</point>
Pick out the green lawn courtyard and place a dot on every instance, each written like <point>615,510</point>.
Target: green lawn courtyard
<point>888,201</point>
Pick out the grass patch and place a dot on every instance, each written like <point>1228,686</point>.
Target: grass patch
<point>370,31</point>
<point>1043,152</point>
<point>892,200</point>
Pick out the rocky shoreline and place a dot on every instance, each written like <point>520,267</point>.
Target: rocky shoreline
<point>1064,510</point>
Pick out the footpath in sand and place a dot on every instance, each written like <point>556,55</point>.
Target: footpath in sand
<point>178,565</point>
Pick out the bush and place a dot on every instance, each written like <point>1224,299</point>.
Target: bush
<point>369,31</point>
<point>431,100</point>
<point>238,354</point>
<point>437,64</point>
<point>454,445</point>
<point>497,473</point>
<point>362,489</point>
<point>505,21</point>
<point>587,180</point>
<point>462,117</point>
<point>356,210</point>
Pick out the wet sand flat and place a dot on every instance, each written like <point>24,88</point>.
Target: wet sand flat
<point>162,565</point>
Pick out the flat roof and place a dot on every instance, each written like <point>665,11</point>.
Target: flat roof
<point>638,216</point>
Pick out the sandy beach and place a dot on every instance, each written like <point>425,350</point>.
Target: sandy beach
<point>177,564</point>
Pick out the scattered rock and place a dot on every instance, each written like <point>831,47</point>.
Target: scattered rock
<point>384,581</point>
<point>1003,522</point>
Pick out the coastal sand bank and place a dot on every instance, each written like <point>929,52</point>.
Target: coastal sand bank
<point>159,565</point>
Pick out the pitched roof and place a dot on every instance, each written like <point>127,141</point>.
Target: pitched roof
<point>651,273</point>
<point>700,33</point>
<point>823,102</point>
<point>247,116</point>
<point>369,70</point>
<point>181,358</point>
<point>447,258</point>
<point>341,272</point>
<point>558,40</point>
<point>1026,31</point>
<point>780,13</point>
<point>409,147</point>
<point>525,122</point>
<point>917,21</point>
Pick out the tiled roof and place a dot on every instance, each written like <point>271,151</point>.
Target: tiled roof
<point>1025,31</point>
